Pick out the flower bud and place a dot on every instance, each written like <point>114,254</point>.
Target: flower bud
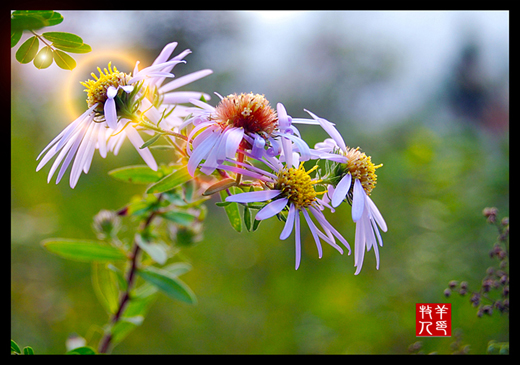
<point>106,224</point>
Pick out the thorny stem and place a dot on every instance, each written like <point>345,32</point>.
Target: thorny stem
<point>105,342</point>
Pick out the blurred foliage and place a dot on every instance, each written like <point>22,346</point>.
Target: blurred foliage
<point>435,181</point>
<point>56,43</point>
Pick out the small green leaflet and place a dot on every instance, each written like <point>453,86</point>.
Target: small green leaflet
<point>28,50</point>
<point>136,174</point>
<point>169,284</point>
<point>57,44</point>
<point>83,250</point>
<point>232,210</point>
<point>171,181</point>
<point>155,250</point>
<point>34,19</point>
<point>63,39</point>
<point>63,60</point>
<point>44,58</point>
<point>105,283</point>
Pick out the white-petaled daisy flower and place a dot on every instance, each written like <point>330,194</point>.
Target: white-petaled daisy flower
<point>239,123</point>
<point>357,179</point>
<point>114,98</point>
<point>290,188</point>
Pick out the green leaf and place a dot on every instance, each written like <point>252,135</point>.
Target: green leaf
<point>63,39</point>
<point>177,268</point>
<point>63,60</point>
<point>184,219</point>
<point>27,350</point>
<point>44,58</point>
<point>138,174</point>
<point>16,35</point>
<point>21,20</point>
<point>104,281</point>
<point>45,14</point>
<point>84,350</point>
<point>169,284</point>
<point>219,186</point>
<point>256,223</point>
<point>121,329</point>
<point>84,48</point>
<point>83,250</point>
<point>28,50</point>
<point>15,347</point>
<point>248,218</point>
<point>154,250</point>
<point>222,204</point>
<point>151,141</point>
<point>171,181</point>
<point>55,18</point>
<point>232,210</point>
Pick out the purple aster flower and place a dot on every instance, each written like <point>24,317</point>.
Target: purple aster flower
<point>113,98</point>
<point>357,180</point>
<point>240,124</point>
<point>292,189</point>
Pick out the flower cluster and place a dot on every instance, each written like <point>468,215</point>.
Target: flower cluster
<point>494,289</point>
<point>242,142</point>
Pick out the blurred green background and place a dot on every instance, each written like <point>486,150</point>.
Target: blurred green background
<point>424,93</point>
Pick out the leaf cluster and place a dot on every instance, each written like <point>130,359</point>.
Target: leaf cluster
<point>56,45</point>
<point>16,350</point>
<point>169,209</point>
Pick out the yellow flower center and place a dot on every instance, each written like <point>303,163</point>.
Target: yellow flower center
<point>249,111</point>
<point>297,186</point>
<point>97,89</point>
<point>361,167</point>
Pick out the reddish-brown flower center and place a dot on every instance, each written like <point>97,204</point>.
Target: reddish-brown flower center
<point>249,111</point>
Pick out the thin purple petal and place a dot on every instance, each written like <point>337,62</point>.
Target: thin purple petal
<point>289,223</point>
<point>110,110</point>
<point>314,231</point>
<point>341,190</point>
<point>233,139</point>
<point>331,130</point>
<point>201,152</point>
<point>283,118</point>
<point>137,141</point>
<point>271,209</point>
<point>358,203</point>
<point>297,239</point>
<point>375,213</point>
<point>254,196</point>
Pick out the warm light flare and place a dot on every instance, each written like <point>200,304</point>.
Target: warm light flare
<point>74,91</point>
